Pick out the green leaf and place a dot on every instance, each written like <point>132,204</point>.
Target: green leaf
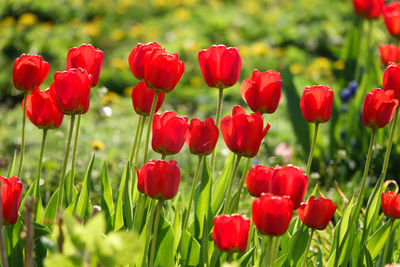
<point>190,250</point>
<point>119,206</point>
<point>221,185</point>
<point>51,209</point>
<point>63,260</point>
<point>165,241</point>
<point>82,204</point>
<point>127,203</point>
<point>378,240</point>
<point>106,202</point>
<point>177,227</point>
<point>203,199</point>
<point>244,260</point>
<point>12,165</point>
<point>298,245</point>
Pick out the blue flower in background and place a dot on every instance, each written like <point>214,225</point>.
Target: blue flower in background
<point>345,95</point>
<point>353,88</point>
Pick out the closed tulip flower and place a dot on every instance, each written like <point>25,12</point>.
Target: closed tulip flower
<point>272,214</point>
<point>389,53</point>
<point>202,136</point>
<point>142,99</point>
<point>140,182</point>
<point>162,70</point>
<point>220,65</point>
<point>242,132</point>
<point>161,178</point>
<point>316,103</point>
<point>391,204</point>
<point>71,91</point>
<point>391,16</point>
<point>391,79</point>
<point>11,189</point>
<point>42,111</point>
<point>378,108</point>
<point>258,180</point>
<point>262,91</point>
<point>317,212</point>
<point>169,133</point>
<point>136,58</point>
<point>289,181</point>
<point>86,57</point>
<point>230,233</point>
<point>369,9</point>
<point>29,72</point>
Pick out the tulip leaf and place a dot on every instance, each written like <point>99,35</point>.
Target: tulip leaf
<point>119,209</point>
<point>28,194</point>
<point>221,185</point>
<point>190,250</point>
<point>177,227</point>
<point>51,209</point>
<point>165,241</point>
<point>298,244</point>
<point>106,202</point>
<point>82,204</point>
<point>244,260</point>
<point>127,203</point>
<point>12,165</point>
<point>202,200</point>
<point>378,240</point>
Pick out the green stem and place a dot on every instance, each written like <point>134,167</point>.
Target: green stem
<point>229,257</point>
<point>269,248</point>
<point>235,206</point>
<point>310,156</point>
<point>152,111</point>
<point>72,176</point>
<point>135,142</point>
<point>64,167</point>
<point>250,234</point>
<point>139,141</point>
<point>4,259</point>
<point>387,243</point>
<point>194,183</point>
<point>217,120</point>
<point>163,156</point>
<point>153,244</point>
<point>39,170</point>
<point>231,180</point>
<point>276,241</point>
<point>148,232</point>
<point>141,203</point>
<point>307,248</point>
<point>21,156</point>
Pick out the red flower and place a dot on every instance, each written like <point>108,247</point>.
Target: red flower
<point>29,72</point>
<point>169,133</point>
<point>316,103</point>
<point>378,108</point>
<point>202,136</point>
<point>389,53</point>
<point>41,110</point>
<point>391,79</point>
<point>220,65</point>
<point>243,133</point>
<point>162,70</point>
<point>71,91</point>
<point>369,9</point>
<point>136,58</point>
<point>140,183</point>
<point>11,189</point>
<point>289,181</point>
<point>86,57</point>
<point>391,16</point>
<point>230,233</point>
<point>142,99</point>
<point>272,214</point>
<point>263,91</point>
<point>161,178</point>
<point>258,180</point>
<point>317,212</point>
<point>391,204</point>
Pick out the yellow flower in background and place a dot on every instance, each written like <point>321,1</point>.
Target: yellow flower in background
<point>109,98</point>
<point>338,64</point>
<point>8,21</point>
<point>278,52</point>
<point>296,68</point>
<point>259,49</point>
<point>117,35</point>
<point>160,3</point>
<point>91,29</point>
<point>251,6</point>
<point>135,31</point>
<point>27,19</point>
<point>152,33</point>
<point>119,63</point>
<point>97,145</point>
<point>244,50</point>
<point>47,26</point>
<point>128,91</point>
<point>320,68</point>
<point>196,81</point>
<point>182,14</point>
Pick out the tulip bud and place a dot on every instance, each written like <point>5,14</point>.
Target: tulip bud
<point>202,136</point>
<point>230,233</point>
<point>389,53</point>
<point>391,16</point>
<point>11,189</point>
<point>369,9</point>
<point>258,180</point>
<point>317,212</point>
<point>316,103</point>
<point>391,79</point>
<point>29,72</point>
<point>136,58</point>
<point>378,108</point>
<point>142,99</point>
<point>391,204</point>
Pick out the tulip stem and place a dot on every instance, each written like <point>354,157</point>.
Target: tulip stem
<point>39,172</point>
<point>152,111</point>
<point>217,120</point>
<point>163,156</point>
<point>133,151</point>
<point>269,248</point>
<point>276,242</point>
<point>72,176</point>
<point>250,233</point>
<point>64,167</point>
<point>236,201</point>
<point>4,261</point>
<point>231,180</point>
<point>21,156</point>
<point>153,245</point>
<point>310,156</point>
<point>148,232</point>
<point>196,176</point>
<point>387,243</point>
<point>229,258</point>
<point>308,248</point>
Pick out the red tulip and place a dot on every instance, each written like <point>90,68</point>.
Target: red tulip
<point>263,91</point>
<point>391,204</point>
<point>142,99</point>
<point>136,58</point>
<point>230,233</point>
<point>272,214</point>
<point>162,70</point>
<point>391,16</point>
<point>289,181</point>
<point>316,103</point>
<point>391,79</point>
<point>317,212</point>
<point>161,178</point>
<point>378,108</point>
<point>169,133</point>
<point>71,91</point>
<point>389,53</point>
<point>202,136</point>
<point>29,72</point>
<point>86,57</point>
<point>243,133</point>
<point>220,65</point>
<point>369,9</point>
<point>258,180</point>
<point>42,111</point>
<point>140,183</point>
<point>11,189</point>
